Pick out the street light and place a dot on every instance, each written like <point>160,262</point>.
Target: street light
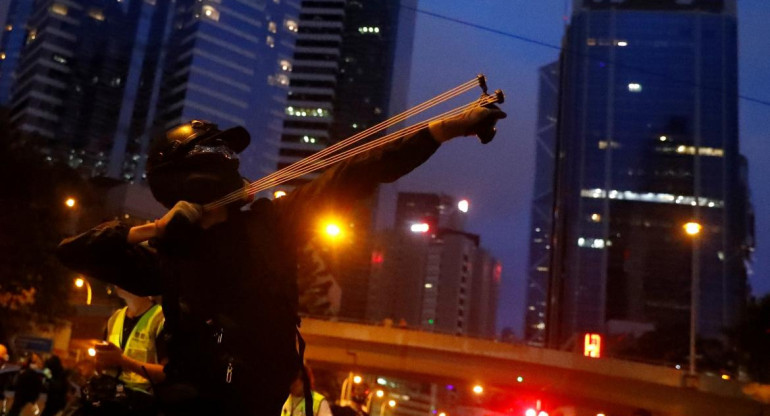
<point>79,283</point>
<point>478,389</point>
<point>70,202</point>
<point>391,403</point>
<point>693,229</point>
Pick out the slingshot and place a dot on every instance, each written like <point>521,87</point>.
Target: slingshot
<point>344,149</point>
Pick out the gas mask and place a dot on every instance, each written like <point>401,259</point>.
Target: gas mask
<point>195,162</point>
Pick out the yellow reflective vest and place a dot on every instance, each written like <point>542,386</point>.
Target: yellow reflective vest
<point>140,344</point>
<point>299,408</point>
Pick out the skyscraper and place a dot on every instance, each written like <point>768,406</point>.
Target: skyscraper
<point>228,62</point>
<point>430,275</point>
<point>542,206</point>
<point>70,74</point>
<point>647,141</point>
<point>13,16</point>
<point>97,77</point>
<point>350,59</point>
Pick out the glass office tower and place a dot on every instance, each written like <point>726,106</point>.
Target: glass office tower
<point>647,141</point>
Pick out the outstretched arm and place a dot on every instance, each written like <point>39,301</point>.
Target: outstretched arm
<point>105,253</point>
<point>356,178</point>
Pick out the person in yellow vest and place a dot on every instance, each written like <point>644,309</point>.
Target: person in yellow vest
<point>135,343</point>
<point>295,404</point>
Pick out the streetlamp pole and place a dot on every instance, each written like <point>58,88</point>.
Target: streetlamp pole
<point>80,282</point>
<point>694,302</point>
<point>693,229</point>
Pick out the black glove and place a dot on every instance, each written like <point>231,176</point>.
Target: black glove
<point>477,120</point>
<point>180,222</point>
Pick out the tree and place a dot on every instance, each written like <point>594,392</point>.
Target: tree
<point>33,217</point>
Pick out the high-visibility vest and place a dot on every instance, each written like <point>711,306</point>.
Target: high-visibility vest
<point>318,398</point>
<point>140,344</point>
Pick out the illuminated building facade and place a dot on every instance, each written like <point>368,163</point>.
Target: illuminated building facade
<point>228,63</point>
<point>349,72</point>
<point>542,206</point>
<point>647,140</point>
<point>430,275</point>
<point>96,78</point>
<point>13,16</point>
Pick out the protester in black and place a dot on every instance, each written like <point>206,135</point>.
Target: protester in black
<point>227,276</point>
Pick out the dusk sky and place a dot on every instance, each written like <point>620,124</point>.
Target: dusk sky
<point>497,178</point>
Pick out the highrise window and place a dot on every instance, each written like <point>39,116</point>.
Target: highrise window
<point>634,87</point>
<point>272,27</point>
<point>96,14</point>
<point>211,13</point>
<point>290,25</point>
<point>270,41</point>
<point>59,8</point>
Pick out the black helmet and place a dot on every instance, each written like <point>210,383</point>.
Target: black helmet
<point>195,162</point>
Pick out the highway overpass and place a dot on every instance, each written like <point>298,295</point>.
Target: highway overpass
<point>617,386</point>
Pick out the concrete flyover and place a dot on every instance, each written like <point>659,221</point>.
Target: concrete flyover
<point>615,385</point>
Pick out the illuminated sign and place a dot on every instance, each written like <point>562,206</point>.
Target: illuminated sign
<point>592,345</point>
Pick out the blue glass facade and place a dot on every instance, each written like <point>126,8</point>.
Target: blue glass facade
<point>13,17</point>
<point>542,205</point>
<point>647,141</point>
<point>95,77</point>
<point>226,65</point>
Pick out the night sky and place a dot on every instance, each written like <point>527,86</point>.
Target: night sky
<point>497,178</point>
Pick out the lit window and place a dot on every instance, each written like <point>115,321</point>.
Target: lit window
<point>272,27</point>
<point>597,243</point>
<point>60,59</point>
<point>211,13</point>
<point>285,65</point>
<point>603,144</point>
<point>270,41</point>
<point>96,14</point>
<point>290,25</point>
<point>591,41</point>
<point>663,138</point>
<point>596,217</point>
<point>9,28</point>
<point>428,285</point>
<point>660,198</point>
<point>702,151</point>
<point>59,9</point>
<point>31,36</point>
<point>307,112</point>
<point>622,43</point>
<point>635,87</point>
<point>2,55</point>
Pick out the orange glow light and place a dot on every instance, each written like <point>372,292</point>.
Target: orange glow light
<point>592,345</point>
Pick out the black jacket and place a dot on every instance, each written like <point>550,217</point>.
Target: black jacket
<point>229,292</point>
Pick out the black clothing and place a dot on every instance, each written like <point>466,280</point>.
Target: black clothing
<point>230,291</point>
